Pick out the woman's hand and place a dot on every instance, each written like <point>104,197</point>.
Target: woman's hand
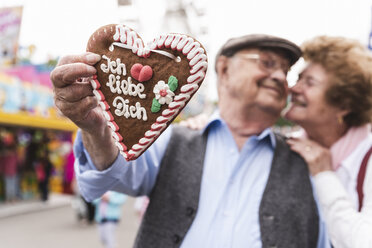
<point>196,123</point>
<point>317,157</point>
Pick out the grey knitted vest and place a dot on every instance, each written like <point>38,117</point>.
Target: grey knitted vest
<point>288,212</point>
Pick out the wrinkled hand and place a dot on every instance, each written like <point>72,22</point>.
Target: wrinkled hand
<point>196,123</point>
<point>317,157</point>
<point>73,94</point>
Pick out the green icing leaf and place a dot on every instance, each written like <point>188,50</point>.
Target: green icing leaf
<point>173,83</point>
<point>155,107</point>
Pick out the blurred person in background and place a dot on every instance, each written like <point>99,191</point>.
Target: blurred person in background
<point>85,210</point>
<point>234,183</point>
<point>68,175</point>
<point>107,216</point>
<point>90,211</point>
<point>43,168</point>
<point>9,163</point>
<point>140,206</point>
<point>332,101</point>
<point>38,157</point>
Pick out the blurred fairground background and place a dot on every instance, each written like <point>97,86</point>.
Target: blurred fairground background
<point>36,158</point>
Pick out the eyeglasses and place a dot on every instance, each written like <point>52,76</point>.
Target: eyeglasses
<point>266,63</point>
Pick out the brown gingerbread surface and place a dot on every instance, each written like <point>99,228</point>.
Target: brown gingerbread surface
<point>163,67</point>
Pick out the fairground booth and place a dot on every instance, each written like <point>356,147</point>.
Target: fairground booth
<point>35,140</point>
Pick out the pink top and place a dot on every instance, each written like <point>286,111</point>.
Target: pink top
<point>343,147</point>
<point>9,164</point>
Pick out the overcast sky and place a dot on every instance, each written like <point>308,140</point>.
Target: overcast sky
<point>59,27</point>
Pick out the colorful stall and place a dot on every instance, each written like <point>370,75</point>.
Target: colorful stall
<point>32,129</point>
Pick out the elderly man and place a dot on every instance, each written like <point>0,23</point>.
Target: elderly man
<point>233,184</point>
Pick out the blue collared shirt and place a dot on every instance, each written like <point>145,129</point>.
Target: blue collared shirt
<point>232,185</point>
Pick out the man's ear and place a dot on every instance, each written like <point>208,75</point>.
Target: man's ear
<point>221,66</point>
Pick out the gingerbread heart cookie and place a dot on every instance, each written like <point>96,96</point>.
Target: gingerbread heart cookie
<point>141,89</point>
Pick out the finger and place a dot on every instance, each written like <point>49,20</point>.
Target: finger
<point>65,75</point>
<point>77,112</point>
<point>295,146</point>
<point>183,123</point>
<point>292,141</point>
<point>190,123</point>
<point>199,123</point>
<point>290,137</point>
<point>86,58</point>
<point>299,142</point>
<point>301,152</point>
<point>296,149</point>
<point>75,92</point>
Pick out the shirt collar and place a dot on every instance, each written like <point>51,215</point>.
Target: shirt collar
<point>216,120</point>
<point>268,132</point>
<point>213,120</point>
<point>356,157</point>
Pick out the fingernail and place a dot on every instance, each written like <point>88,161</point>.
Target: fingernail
<point>91,70</point>
<point>93,58</point>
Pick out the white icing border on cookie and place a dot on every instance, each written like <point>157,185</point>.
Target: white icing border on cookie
<point>197,62</point>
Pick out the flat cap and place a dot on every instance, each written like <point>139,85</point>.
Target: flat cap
<point>260,40</point>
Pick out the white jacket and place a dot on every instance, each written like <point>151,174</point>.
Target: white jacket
<point>338,198</point>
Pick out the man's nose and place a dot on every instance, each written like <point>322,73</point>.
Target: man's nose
<point>279,74</point>
<point>296,88</point>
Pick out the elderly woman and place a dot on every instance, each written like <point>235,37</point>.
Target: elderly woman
<point>332,101</point>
